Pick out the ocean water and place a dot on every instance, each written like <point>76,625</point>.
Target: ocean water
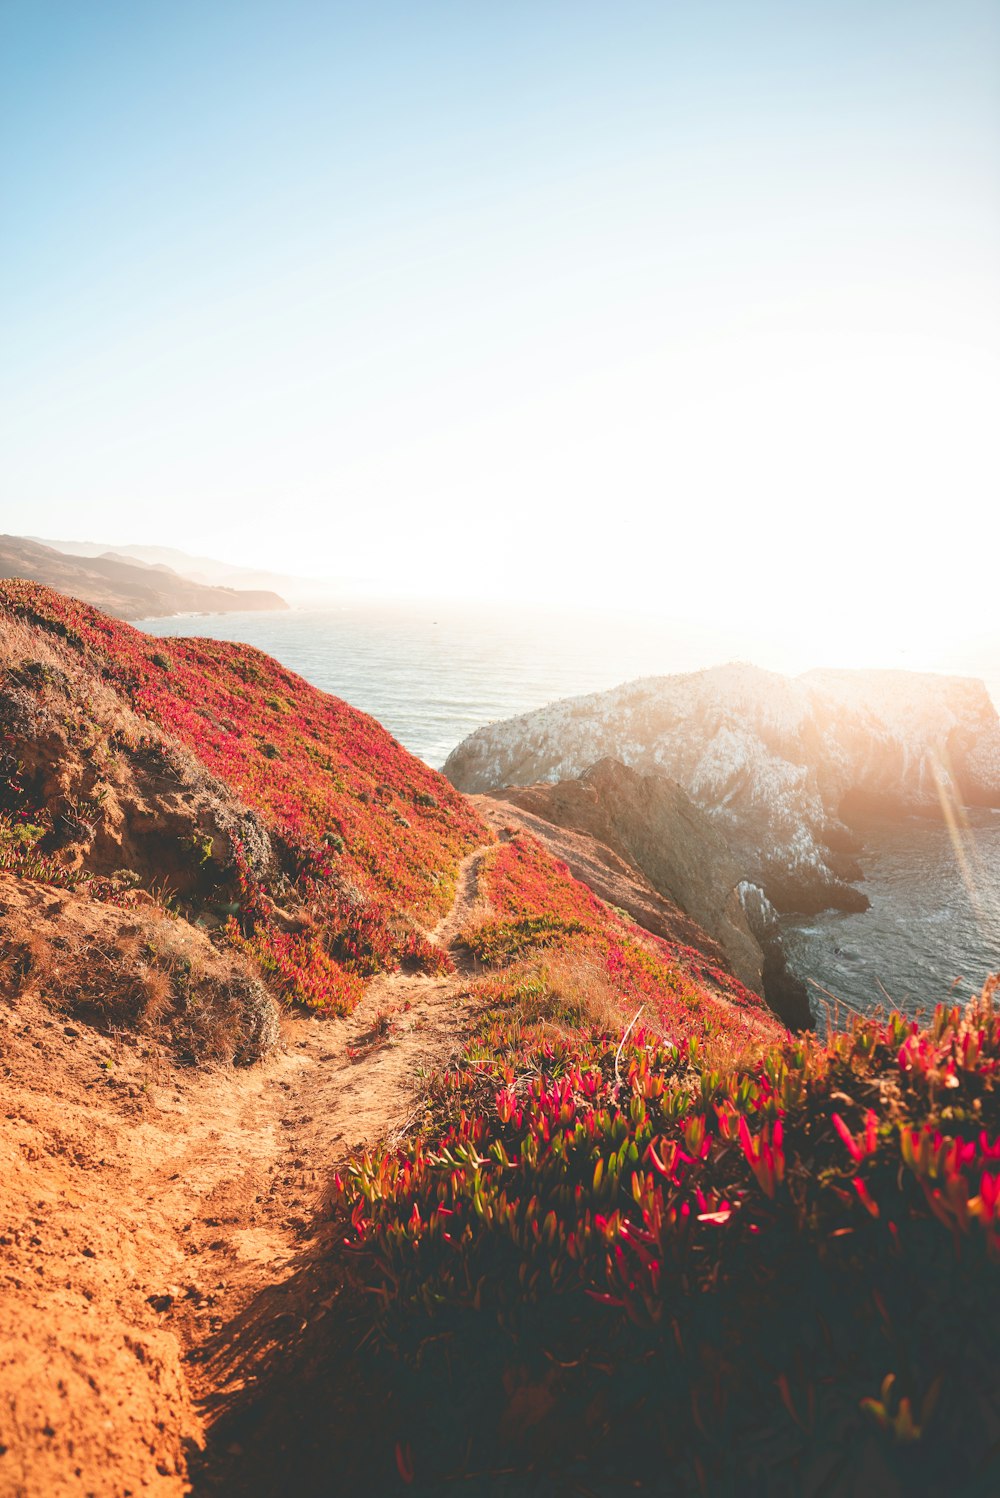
<point>933,928</point>
<point>431,673</point>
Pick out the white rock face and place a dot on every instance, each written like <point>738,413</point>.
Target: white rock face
<point>777,761</point>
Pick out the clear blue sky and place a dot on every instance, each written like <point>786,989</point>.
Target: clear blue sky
<point>390,287</point>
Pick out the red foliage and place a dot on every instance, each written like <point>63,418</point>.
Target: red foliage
<point>373,836</point>
<point>704,1255</point>
<point>537,903</point>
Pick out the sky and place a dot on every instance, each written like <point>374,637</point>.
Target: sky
<point>694,308</point>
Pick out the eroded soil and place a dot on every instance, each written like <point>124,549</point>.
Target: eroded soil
<point>160,1226</point>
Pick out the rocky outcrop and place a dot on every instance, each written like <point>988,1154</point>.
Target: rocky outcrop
<point>779,764</point>
<point>924,742</point>
<point>639,842</point>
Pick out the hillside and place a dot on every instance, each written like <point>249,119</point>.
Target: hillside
<point>352,1144</point>
<point>125,587</point>
<point>268,808</point>
<point>209,571</point>
<point>779,764</point>
<point>639,841</point>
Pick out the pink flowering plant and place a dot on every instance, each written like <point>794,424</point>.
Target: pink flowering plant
<point>619,1259</point>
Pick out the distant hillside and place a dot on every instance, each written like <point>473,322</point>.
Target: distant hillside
<point>123,586</point>
<point>208,570</point>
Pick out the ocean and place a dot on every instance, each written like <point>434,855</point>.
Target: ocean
<point>933,928</point>
<point>431,673</point>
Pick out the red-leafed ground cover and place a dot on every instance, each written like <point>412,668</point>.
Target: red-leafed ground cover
<point>532,904</point>
<point>624,1265</point>
<point>371,837</point>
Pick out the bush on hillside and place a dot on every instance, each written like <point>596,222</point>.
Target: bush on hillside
<point>133,970</point>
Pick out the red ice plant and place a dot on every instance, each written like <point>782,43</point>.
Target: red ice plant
<point>371,837</point>
<point>698,1250</point>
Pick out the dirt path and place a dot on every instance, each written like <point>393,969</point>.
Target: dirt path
<point>338,1087</point>
<point>158,1211</point>
<point>249,1183</point>
<point>446,931</point>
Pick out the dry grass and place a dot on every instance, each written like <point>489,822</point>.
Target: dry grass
<point>23,647</point>
<point>563,990</point>
<point>479,914</point>
<point>577,990</point>
<point>108,788</point>
<point>133,970</point>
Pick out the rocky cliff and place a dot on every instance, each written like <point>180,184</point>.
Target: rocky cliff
<point>780,764</point>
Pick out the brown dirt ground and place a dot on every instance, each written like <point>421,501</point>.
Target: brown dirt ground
<point>152,1217</point>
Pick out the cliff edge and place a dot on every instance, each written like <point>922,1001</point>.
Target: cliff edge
<point>780,765</point>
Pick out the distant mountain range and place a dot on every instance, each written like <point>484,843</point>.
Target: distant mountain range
<point>126,585</point>
<point>208,571</point>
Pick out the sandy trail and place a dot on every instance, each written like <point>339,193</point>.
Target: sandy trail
<point>174,1200</point>
<point>248,1186</point>
<point>445,933</point>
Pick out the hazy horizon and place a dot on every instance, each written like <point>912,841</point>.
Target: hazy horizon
<point>691,310</point>
<point>707,643</point>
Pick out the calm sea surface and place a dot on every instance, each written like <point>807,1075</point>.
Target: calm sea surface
<point>433,673</point>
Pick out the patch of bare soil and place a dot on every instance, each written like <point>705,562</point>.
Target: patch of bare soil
<point>158,1238</point>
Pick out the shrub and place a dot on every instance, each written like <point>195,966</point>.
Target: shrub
<point>135,970</point>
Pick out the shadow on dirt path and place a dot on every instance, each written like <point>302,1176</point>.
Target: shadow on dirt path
<point>278,1352</point>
